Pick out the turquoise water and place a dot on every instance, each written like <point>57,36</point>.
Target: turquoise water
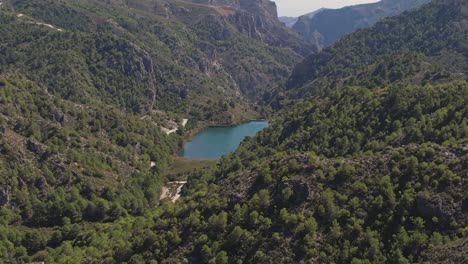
<point>214,142</point>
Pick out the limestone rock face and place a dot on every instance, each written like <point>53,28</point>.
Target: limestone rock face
<point>231,3</point>
<point>265,7</point>
<point>258,19</point>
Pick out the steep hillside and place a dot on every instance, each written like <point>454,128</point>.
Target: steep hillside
<point>418,47</point>
<point>174,56</point>
<point>283,197</point>
<point>328,26</point>
<point>81,162</point>
<point>257,19</point>
<point>290,21</point>
<point>87,89</point>
<point>358,174</point>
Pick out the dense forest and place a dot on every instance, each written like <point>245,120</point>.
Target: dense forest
<point>365,160</point>
<point>132,56</point>
<point>427,46</point>
<point>401,198</point>
<point>67,162</point>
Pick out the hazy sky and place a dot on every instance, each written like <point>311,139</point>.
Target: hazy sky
<point>301,7</point>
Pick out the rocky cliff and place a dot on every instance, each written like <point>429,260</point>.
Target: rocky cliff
<point>266,7</point>
<point>258,19</point>
<point>230,3</point>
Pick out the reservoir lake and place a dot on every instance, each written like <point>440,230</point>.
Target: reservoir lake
<point>214,142</point>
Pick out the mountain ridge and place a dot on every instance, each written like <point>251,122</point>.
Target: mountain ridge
<point>290,21</point>
<point>202,55</point>
<point>331,24</point>
<point>395,38</point>
<point>364,162</point>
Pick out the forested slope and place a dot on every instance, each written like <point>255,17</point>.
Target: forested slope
<point>400,199</point>
<point>420,46</point>
<point>169,55</point>
<point>363,168</point>
<point>85,90</point>
<point>67,160</point>
<point>329,25</point>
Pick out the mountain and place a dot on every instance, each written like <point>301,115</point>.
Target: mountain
<point>331,24</point>
<point>394,50</point>
<point>365,162</point>
<point>56,152</point>
<point>259,19</point>
<point>90,89</point>
<point>290,21</point>
<point>232,55</point>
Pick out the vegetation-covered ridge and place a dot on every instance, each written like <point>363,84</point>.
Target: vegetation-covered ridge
<point>329,25</point>
<point>85,90</point>
<point>63,161</point>
<point>399,199</point>
<point>425,45</point>
<point>368,166</point>
<point>164,55</point>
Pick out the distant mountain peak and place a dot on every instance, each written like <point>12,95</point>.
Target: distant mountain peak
<point>290,21</point>
<point>325,26</point>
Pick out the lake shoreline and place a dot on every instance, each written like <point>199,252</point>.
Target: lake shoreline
<point>213,142</point>
<point>237,124</point>
<point>189,134</point>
